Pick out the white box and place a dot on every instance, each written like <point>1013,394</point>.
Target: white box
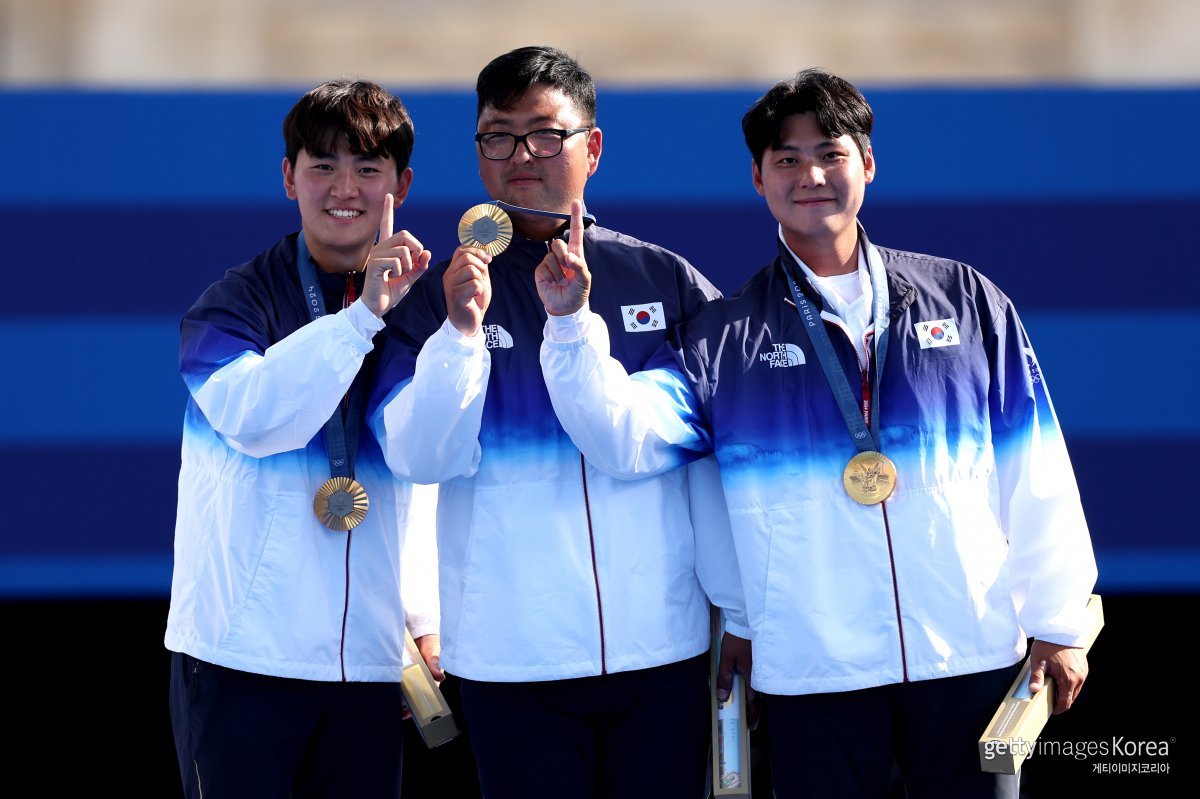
<point>1019,720</point>
<point>730,733</point>
<point>424,698</point>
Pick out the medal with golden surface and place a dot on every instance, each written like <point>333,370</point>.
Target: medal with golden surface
<point>869,477</point>
<point>341,503</point>
<point>487,227</point>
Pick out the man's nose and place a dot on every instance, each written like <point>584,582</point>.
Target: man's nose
<point>345,185</point>
<point>811,174</point>
<point>522,153</point>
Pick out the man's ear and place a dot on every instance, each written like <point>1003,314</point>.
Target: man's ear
<point>594,146</point>
<point>756,174</point>
<point>403,184</point>
<point>289,179</point>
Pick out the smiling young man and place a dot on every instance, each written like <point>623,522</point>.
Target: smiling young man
<point>286,625</point>
<point>900,498</point>
<point>571,606</point>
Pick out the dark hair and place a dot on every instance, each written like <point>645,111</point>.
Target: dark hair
<point>502,82</point>
<point>368,118</point>
<point>840,108</point>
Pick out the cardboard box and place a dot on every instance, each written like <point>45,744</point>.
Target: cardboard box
<point>730,758</point>
<point>424,699</point>
<point>1019,720</point>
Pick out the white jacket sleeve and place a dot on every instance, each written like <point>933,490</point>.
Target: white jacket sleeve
<point>716,558</point>
<point>429,425</point>
<point>265,403</point>
<point>419,563</point>
<point>1050,551</point>
<point>627,426</point>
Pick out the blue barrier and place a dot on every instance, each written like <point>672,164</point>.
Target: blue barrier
<point>117,209</point>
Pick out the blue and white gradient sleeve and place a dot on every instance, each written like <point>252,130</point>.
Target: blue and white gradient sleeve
<point>716,558</point>
<point>1050,554</point>
<point>265,402</point>
<point>428,426</point>
<point>627,426</point>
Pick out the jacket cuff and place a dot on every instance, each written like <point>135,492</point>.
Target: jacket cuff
<point>475,342</point>
<point>365,323</point>
<point>739,630</point>
<point>421,626</point>
<point>570,328</point>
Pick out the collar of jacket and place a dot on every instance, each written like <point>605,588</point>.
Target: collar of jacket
<point>901,293</point>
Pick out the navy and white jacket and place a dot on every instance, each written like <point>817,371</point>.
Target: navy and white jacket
<point>982,542</point>
<point>550,568</point>
<point>260,585</point>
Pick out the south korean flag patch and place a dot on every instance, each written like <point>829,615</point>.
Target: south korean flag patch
<point>645,318</point>
<point>938,333</point>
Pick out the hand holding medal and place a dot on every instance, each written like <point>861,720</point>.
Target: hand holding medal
<point>484,231</point>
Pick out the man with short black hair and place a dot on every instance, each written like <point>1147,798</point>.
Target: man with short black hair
<point>571,606</point>
<point>900,498</point>
<point>286,622</point>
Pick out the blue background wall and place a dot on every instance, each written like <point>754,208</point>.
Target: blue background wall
<point>117,209</point>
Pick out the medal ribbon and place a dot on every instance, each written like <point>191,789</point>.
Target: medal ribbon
<point>341,434</point>
<point>588,219</point>
<point>865,438</point>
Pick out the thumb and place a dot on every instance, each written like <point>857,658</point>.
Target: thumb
<point>1037,677</point>
<point>435,668</point>
<point>724,678</point>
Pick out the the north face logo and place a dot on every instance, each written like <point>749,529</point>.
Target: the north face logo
<point>496,336</point>
<point>783,355</point>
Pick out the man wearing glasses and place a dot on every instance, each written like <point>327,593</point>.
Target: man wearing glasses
<point>572,608</point>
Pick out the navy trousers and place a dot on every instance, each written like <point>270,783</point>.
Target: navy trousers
<point>631,734</point>
<point>247,735</point>
<point>845,744</point>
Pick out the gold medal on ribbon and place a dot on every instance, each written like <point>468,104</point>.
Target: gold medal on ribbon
<point>487,227</point>
<point>341,503</point>
<point>869,478</point>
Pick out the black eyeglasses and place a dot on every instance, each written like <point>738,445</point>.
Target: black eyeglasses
<point>545,143</point>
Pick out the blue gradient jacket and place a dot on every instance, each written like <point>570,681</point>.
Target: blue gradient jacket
<point>550,568</point>
<point>259,584</point>
<point>984,539</point>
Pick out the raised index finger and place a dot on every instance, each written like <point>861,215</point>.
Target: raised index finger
<point>576,244</point>
<point>385,224</point>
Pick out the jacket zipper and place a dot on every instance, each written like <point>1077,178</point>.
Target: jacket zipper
<point>345,608</point>
<point>895,589</point>
<point>587,506</point>
<point>864,371</point>
<point>347,299</point>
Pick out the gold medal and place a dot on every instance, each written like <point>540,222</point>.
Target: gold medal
<point>487,227</point>
<point>341,503</point>
<point>869,478</point>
